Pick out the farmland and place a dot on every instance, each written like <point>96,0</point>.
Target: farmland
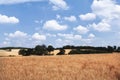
<point>66,67</point>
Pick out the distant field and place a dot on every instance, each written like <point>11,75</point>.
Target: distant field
<point>9,53</point>
<point>67,67</point>
<point>14,52</point>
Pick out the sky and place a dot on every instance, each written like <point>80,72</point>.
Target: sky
<point>27,23</point>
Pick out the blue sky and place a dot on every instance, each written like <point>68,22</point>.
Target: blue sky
<point>59,22</point>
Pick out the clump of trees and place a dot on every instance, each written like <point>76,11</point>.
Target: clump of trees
<point>38,50</point>
<point>43,50</point>
<point>24,52</point>
<point>93,50</point>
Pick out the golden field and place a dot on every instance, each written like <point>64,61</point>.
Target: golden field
<point>4,53</point>
<point>66,67</point>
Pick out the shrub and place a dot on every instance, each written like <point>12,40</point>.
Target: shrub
<point>23,52</point>
<point>41,50</point>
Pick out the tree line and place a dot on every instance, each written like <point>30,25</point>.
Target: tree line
<point>45,50</point>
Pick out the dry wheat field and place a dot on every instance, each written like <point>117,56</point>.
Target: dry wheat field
<point>66,67</point>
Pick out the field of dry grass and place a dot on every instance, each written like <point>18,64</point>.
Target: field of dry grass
<point>9,53</point>
<point>67,67</point>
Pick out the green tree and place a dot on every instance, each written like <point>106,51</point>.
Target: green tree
<point>40,50</point>
<point>110,49</point>
<point>23,52</point>
<point>115,48</point>
<point>30,51</point>
<point>50,48</point>
<point>118,49</point>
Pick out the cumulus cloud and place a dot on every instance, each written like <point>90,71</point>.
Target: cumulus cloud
<point>108,12</point>
<point>17,34</point>
<point>81,29</point>
<point>106,9</point>
<point>67,39</point>
<point>5,2</point>
<point>101,27</point>
<point>51,35</point>
<point>91,36</point>
<point>5,19</point>
<point>88,16</point>
<point>74,39</point>
<point>53,25</point>
<point>62,42</point>
<point>59,4</point>
<point>70,36</point>
<point>19,38</point>
<point>71,18</point>
<point>37,36</point>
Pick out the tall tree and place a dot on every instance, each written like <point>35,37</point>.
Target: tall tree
<point>50,48</point>
<point>40,50</point>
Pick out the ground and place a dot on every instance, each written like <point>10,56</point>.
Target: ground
<point>66,67</point>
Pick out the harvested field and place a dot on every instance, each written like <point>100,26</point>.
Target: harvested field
<point>9,53</point>
<point>67,67</point>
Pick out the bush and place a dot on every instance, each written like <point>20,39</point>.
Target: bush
<point>23,52</point>
<point>41,50</point>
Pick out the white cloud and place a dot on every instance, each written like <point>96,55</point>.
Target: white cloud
<point>53,25</point>
<point>87,42</point>
<point>58,40</point>
<point>106,9</point>
<point>19,38</point>
<point>6,43</point>
<point>74,39</point>
<point>5,19</point>
<point>101,27</point>
<point>70,36</point>
<point>59,4</point>
<point>51,35</point>
<point>37,36</point>
<point>66,36</point>
<point>37,21</point>
<point>88,16</point>
<point>77,37</point>
<point>109,13</point>
<point>17,34</point>
<point>71,18</point>
<point>16,1</point>
<point>62,42</point>
<point>91,36</point>
<point>81,29</point>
